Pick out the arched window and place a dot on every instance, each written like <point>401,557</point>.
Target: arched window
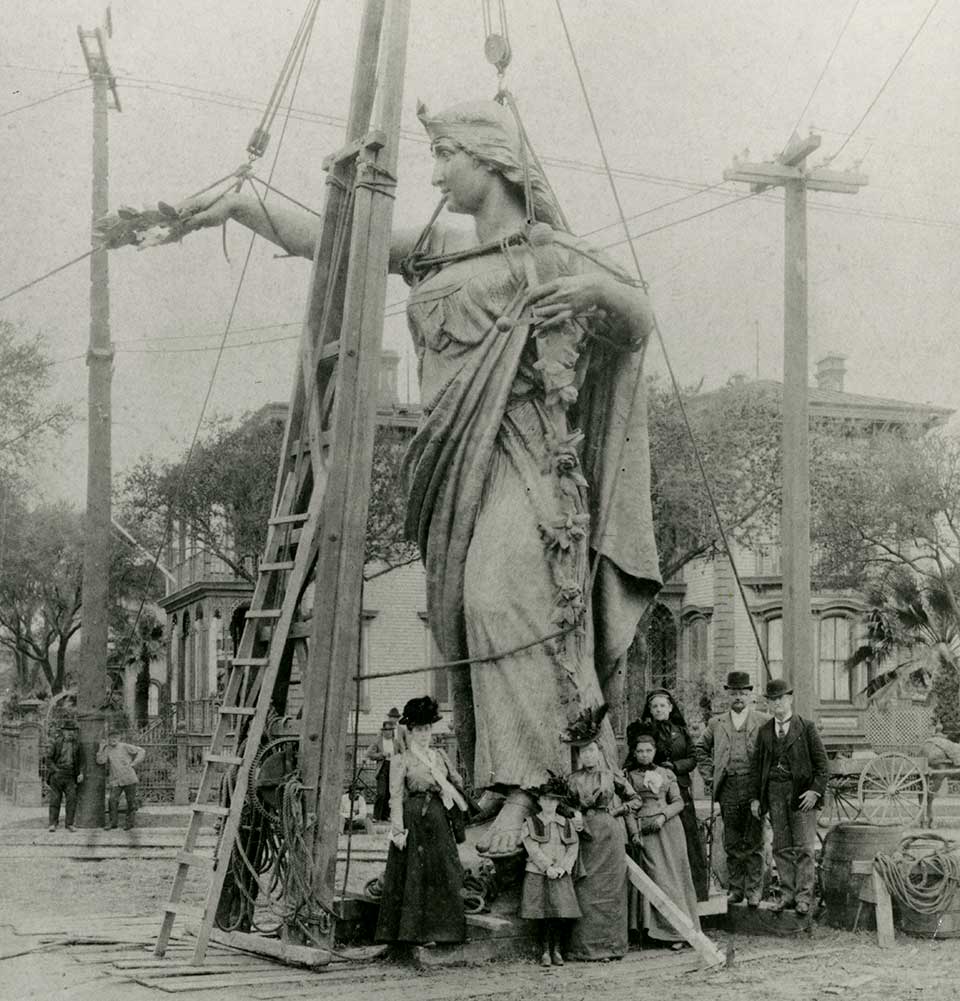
<point>153,700</point>
<point>696,646</point>
<point>774,637</point>
<point>833,649</point>
<point>662,649</point>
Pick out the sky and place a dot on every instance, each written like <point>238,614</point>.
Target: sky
<point>678,89</point>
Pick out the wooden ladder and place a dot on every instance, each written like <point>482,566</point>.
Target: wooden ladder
<point>316,532</point>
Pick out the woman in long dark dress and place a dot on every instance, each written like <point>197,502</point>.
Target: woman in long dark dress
<point>421,900</point>
<point>597,791</point>
<point>675,751</point>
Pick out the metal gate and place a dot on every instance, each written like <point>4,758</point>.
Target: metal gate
<point>158,770</point>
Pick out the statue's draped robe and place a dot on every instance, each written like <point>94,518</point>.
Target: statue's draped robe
<point>482,483</point>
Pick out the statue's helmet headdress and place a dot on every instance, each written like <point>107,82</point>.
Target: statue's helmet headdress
<point>489,131</point>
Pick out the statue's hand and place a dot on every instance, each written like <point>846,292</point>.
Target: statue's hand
<point>209,209</point>
<point>557,301</point>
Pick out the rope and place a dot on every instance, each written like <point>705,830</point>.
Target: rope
<point>663,347</point>
<point>922,877</point>
<point>295,55</point>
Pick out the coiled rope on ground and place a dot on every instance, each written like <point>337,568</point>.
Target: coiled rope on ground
<point>923,873</point>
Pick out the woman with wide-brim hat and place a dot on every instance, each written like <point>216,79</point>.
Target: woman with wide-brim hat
<point>676,752</point>
<point>420,900</point>
<point>598,792</point>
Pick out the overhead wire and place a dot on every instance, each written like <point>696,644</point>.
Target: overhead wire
<point>44,100</point>
<point>889,77</point>
<point>826,65</point>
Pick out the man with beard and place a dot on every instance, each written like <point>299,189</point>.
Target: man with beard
<point>725,754</point>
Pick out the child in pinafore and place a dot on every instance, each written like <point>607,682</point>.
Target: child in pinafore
<point>552,846</point>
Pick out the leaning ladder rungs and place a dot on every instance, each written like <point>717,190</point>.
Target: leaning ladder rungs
<point>191,858</point>
<point>250,661</point>
<point>237,710</point>
<point>215,808</point>
<point>285,565</point>
<point>224,759</point>
<point>289,519</point>
<point>263,613</point>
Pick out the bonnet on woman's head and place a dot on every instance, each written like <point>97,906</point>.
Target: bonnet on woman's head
<point>488,131</point>
<point>676,716</point>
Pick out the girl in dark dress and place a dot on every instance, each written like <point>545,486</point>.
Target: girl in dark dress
<point>421,900</point>
<point>675,751</point>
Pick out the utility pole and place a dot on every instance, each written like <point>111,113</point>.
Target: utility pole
<point>790,172</point>
<point>96,555</point>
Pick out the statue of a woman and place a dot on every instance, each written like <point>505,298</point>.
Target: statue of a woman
<point>531,461</point>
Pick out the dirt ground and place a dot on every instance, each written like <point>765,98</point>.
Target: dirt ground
<point>824,964</point>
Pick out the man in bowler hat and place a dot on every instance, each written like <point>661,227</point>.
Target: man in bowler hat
<point>725,753</point>
<point>789,778</point>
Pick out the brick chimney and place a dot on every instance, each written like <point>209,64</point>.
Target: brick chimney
<point>389,394</point>
<point>831,369</point>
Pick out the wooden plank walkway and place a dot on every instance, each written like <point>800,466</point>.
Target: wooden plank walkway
<point>360,974</point>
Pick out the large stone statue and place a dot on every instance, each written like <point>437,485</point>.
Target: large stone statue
<point>531,462</point>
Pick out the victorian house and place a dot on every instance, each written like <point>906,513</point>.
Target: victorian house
<point>700,628</point>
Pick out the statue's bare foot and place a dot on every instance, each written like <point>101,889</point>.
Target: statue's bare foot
<point>503,838</point>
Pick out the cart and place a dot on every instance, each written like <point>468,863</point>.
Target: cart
<point>888,789</point>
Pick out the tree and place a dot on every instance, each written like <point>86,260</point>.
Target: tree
<point>40,589</point>
<point>40,595</point>
<point>890,499</point>
<point>223,497</point>
<point>887,521</point>
<point>737,430</point>
<point>912,631</point>
<point>27,419</point>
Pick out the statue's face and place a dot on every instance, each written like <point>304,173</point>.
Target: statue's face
<point>459,176</point>
<point>660,708</point>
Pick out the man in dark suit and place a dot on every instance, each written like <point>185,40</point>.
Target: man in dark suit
<point>789,778</point>
<point>725,754</point>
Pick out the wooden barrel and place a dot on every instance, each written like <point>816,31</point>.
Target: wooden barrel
<point>844,845</point>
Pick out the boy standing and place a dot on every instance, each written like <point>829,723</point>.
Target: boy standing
<point>121,760</point>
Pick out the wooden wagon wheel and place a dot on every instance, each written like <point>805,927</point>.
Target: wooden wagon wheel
<point>892,791</point>
<point>841,803</point>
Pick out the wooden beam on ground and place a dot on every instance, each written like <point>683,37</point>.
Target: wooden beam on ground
<point>704,947</point>
<point>273,948</point>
